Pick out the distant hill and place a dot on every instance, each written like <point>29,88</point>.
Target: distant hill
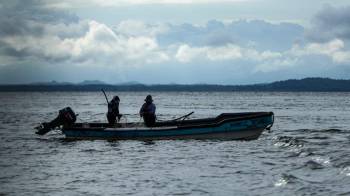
<point>307,84</point>
<point>311,84</point>
<point>129,83</point>
<point>91,82</point>
<point>51,83</point>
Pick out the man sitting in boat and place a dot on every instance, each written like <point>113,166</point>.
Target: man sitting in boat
<point>113,110</point>
<point>148,111</point>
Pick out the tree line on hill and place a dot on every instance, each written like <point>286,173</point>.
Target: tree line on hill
<point>293,85</point>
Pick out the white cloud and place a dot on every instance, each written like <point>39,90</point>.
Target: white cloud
<point>186,53</point>
<point>139,28</point>
<point>341,57</point>
<point>276,64</point>
<point>335,49</point>
<point>264,61</point>
<point>325,48</point>
<point>255,55</point>
<point>99,45</point>
<point>45,39</point>
<point>224,53</point>
<point>134,43</point>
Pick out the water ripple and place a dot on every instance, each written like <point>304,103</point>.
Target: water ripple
<point>305,153</point>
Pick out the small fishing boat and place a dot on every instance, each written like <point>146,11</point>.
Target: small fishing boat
<point>226,126</point>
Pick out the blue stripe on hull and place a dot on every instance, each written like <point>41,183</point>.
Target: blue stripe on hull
<point>244,129</point>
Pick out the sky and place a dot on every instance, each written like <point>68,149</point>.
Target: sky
<point>169,41</point>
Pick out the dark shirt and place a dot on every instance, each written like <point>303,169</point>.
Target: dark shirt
<point>148,109</point>
<point>113,108</point>
<point>113,112</point>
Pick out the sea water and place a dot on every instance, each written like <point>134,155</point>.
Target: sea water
<point>307,151</point>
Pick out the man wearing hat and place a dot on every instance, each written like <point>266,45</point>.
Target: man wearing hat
<point>148,112</point>
<point>113,110</point>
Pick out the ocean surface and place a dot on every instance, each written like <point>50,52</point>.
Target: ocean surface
<point>307,152</point>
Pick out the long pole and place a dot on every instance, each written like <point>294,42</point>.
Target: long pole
<point>105,95</point>
<point>185,116</point>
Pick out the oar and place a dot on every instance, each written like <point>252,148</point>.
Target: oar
<point>105,95</point>
<point>184,116</point>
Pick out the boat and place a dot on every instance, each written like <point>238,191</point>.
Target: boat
<point>226,126</point>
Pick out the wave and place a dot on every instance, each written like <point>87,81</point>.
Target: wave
<point>313,165</point>
<point>289,141</point>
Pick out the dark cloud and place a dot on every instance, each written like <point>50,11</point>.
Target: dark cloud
<point>7,50</point>
<point>28,17</point>
<point>35,10</point>
<point>39,42</point>
<point>330,23</point>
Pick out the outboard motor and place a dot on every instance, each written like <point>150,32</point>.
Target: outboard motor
<point>65,117</point>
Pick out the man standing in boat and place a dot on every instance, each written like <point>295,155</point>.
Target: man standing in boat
<point>148,111</point>
<point>113,110</point>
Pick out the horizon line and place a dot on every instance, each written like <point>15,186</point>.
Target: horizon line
<point>133,83</point>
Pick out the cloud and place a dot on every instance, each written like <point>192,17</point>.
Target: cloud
<point>23,17</point>
<point>276,64</point>
<point>26,21</point>
<point>277,37</point>
<point>230,52</point>
<point>64,38</point>
<point>113,3</point>
<point>139,28</point>
<point>330,23</point>
<point>300,55</point>
<point>266,61</point>
<point>38,32</point>
<point>133,43</point>
<point>185,53</point>
<point>99,45</point>
<point>34,30</point>
<point>335,49</point>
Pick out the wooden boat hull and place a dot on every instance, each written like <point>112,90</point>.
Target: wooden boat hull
<point>230,126</point>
